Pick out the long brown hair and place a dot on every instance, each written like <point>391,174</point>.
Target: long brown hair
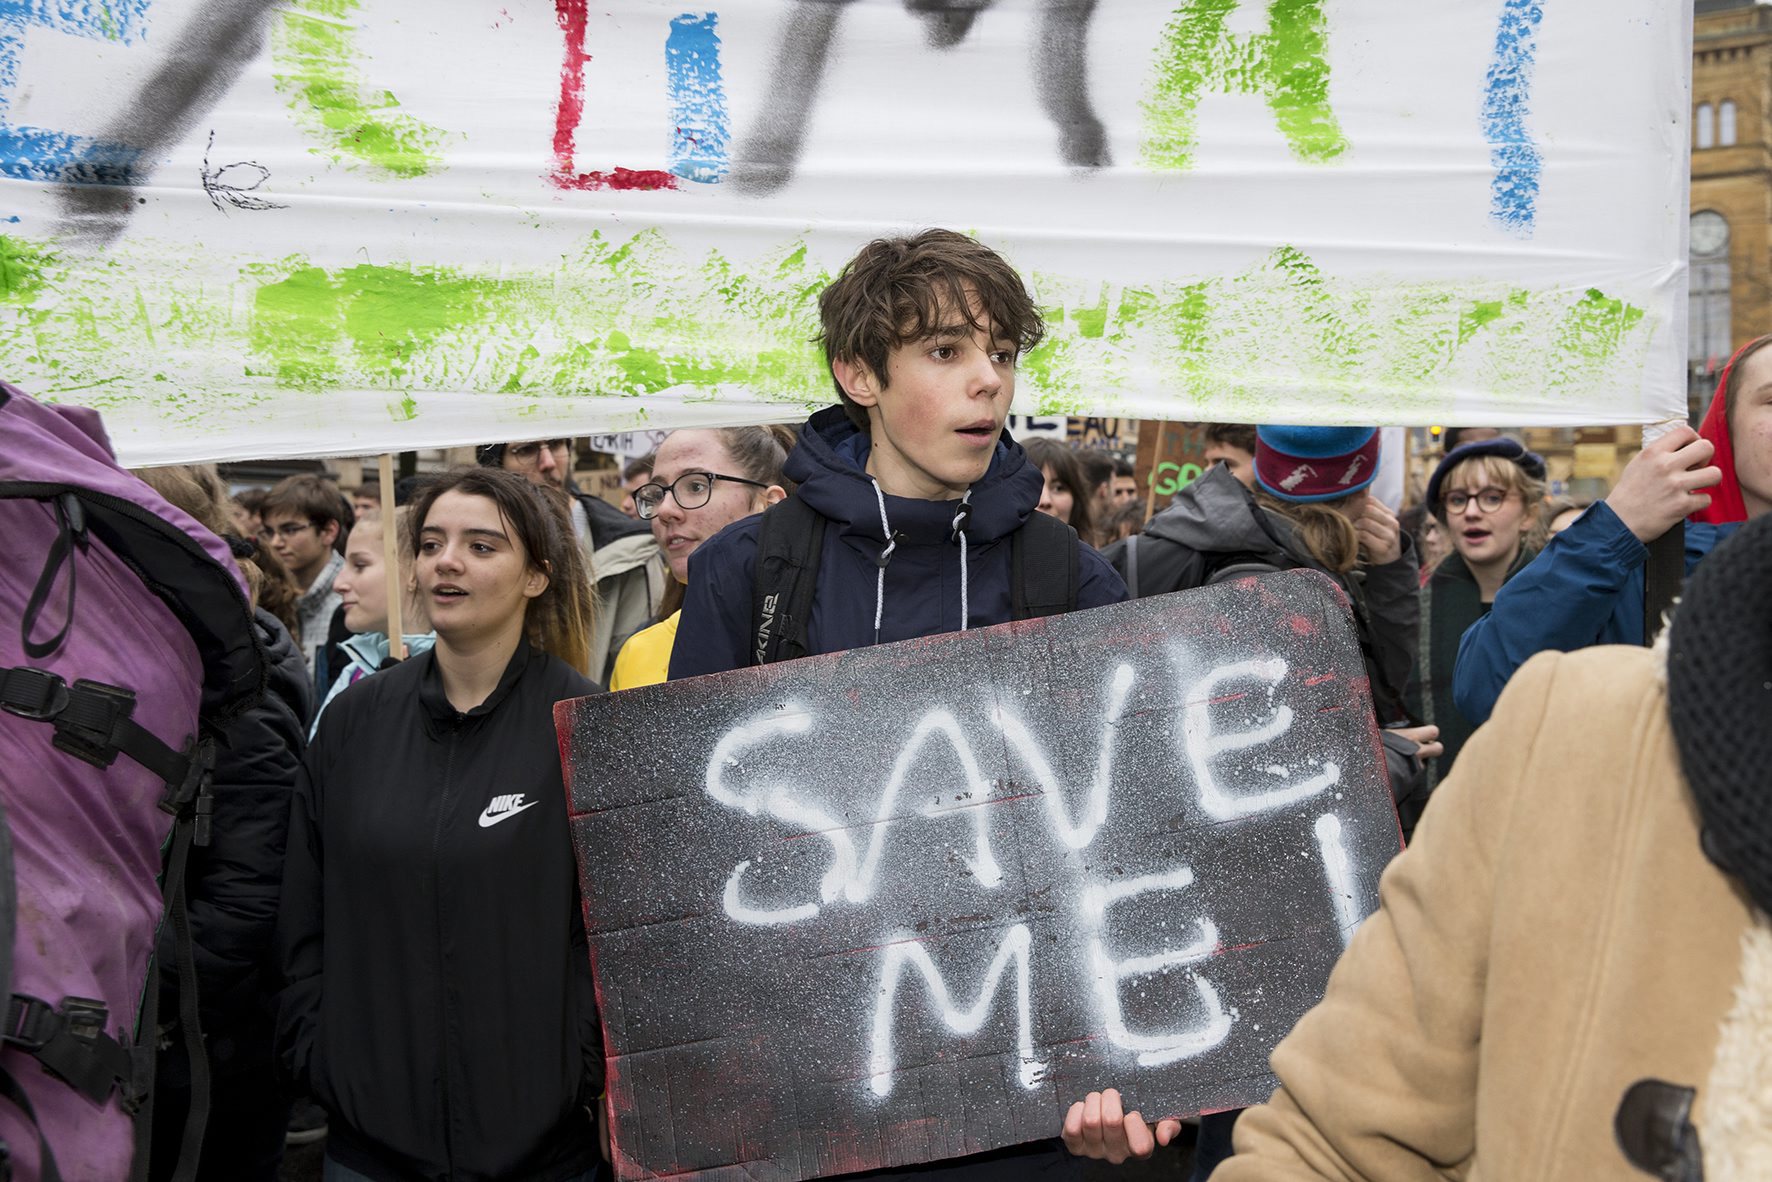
<point>1327,536</point>
<point>561,619</point>
<point>198,490</point>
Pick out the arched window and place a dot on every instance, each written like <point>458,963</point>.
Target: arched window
<point>1704,128</point>
<point>1726,124</point>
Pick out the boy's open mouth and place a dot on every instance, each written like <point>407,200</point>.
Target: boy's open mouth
<point>978,432</point>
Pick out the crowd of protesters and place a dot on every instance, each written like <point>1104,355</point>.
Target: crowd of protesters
<point>422,984</point>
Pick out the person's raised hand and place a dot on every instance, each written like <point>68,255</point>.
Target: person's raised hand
<point>1380,535</point>
<point>1096,1127</point>
<point>1660,485</point>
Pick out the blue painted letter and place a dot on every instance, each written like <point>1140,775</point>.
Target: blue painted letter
<point>699,150</point>
<point>1513,193</point>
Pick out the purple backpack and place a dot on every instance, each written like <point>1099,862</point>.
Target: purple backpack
<point>125,639</point>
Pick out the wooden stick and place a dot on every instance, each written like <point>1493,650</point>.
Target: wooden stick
<point>390,554</point>
<point>1150,496</point>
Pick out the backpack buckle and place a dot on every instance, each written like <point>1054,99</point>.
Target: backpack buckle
<point>87,726</point>
<point>84,1018</point>
<point>36,694</point>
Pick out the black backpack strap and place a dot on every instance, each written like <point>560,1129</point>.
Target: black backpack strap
<point>70,532</point>
<point>1132,565</point>
<point>1043,568</point>
<point>790,541</point>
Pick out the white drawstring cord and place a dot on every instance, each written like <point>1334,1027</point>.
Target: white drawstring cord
<point>962,517</point>
<point>885,557</point>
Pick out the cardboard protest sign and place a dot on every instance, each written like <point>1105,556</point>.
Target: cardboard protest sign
<point>907,902</point>
<point>341,226</point>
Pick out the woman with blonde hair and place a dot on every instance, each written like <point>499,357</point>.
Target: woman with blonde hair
<point>1485,496</point>
<point>364,592</point>
<point>439,1002</point>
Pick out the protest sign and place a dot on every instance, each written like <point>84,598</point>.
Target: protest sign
<point>344,226</point>
<point>907,902</point>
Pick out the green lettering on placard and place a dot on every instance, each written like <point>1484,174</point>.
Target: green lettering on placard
<point>1287,65</point>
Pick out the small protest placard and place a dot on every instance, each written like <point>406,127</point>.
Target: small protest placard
<point>907,902</point>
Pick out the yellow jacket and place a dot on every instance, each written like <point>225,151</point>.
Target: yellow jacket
<point>1553,936</point>
<point>646,658</point>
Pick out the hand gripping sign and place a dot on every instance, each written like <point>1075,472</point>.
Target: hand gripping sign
<point>906,902</point>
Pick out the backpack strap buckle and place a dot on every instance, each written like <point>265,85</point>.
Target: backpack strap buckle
<point>70,1042</point>
<point>36,694</point>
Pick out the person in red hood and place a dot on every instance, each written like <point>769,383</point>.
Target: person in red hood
<point>1586,586</point>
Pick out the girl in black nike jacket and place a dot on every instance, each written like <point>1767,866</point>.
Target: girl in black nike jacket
<point>438,998</point>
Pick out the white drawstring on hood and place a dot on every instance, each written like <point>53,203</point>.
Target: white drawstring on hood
<point>963,518</point>
<point>885,557</point>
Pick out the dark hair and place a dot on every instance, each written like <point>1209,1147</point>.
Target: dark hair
<point>559,620</point>
<point>1124,521</point>
<point>1097,467</point>
<point>639,467</point>
<point>1047,453</point>
<point>312,497</point>
<point>251,499</point>
<point>1732,390</point>
<point>897,290</point>
<point>1123,467</point>
<point>757,452</point>
<point>407,488</point>
<point>370,489</point>
<point>1238,435</point>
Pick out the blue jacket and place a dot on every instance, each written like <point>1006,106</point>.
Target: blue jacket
<point>1584,588</point>
<point>921,588</point>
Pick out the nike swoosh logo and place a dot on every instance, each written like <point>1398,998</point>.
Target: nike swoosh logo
<point>487,822</point>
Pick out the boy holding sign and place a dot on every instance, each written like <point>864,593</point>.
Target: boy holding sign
<point>914,514</point>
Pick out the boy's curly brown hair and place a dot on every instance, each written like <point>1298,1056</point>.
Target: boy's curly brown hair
<point>898,290</point>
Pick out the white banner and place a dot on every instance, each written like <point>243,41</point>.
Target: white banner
<point>347,226</point>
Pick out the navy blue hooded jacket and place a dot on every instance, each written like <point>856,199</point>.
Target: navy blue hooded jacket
<point>921,592</point>
<point>1585,587</point>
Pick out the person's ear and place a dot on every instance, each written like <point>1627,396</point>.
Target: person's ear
<point>329,533</point>
<point>774,495</point>
<point>858,381</point>
<point>536,582</point>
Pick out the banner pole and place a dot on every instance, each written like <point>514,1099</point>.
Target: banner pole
<point>1150,492</point>
<point>390,554</point>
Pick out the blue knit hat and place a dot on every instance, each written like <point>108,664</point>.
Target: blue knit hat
<point>1315,463</point>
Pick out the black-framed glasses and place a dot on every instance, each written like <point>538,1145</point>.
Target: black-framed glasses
<point>1488,499</point>
<point>691,490</point>
<point>287,530</point>
<point>529,453</point>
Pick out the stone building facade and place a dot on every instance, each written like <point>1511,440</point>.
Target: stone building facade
<point>1731,183</point>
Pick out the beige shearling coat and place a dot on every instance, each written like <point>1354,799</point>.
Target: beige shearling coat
<point>1553,936</point>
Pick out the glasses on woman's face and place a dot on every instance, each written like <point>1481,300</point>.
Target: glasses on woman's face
<point>527,454</point>
<point>691,490</point>
<point>1488,499</point>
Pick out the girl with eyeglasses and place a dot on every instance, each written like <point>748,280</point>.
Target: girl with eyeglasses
<point>439,1001</point>
<point>702,481</point>
<point>1485,497</point>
